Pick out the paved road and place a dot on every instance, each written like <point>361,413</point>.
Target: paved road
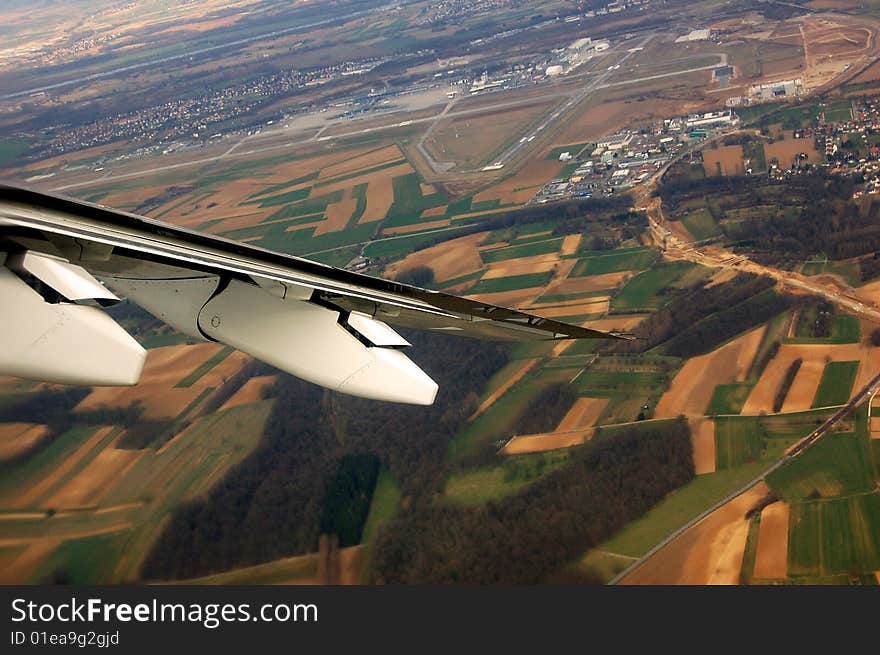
<point>718,257</point>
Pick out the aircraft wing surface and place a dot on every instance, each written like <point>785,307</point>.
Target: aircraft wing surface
<point>59,257</point>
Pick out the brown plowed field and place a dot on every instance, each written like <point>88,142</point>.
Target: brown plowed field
<point>772,557</point>
<point>449,260</point>
<point>710,552</point>
<point>586,284</point>
<point>813,355</point>
<point>583,414</point>
<point>703,443</point>
<point>418,227</point>
<point>692,388</point>
<point>380,195</point>
<point>539,443</point>
<point>17,438</point>
<point>250,392</point>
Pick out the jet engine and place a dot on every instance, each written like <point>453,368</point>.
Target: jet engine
<point>48,334</point>
<point>350,352</point>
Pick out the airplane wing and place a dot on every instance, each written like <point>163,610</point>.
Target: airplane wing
<point>60,257</point>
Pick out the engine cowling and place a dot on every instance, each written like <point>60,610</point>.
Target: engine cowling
<point>351,353</point>
<point>63,342</point>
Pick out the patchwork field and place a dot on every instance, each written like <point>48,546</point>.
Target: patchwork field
<point>693,386</point>
<point>87,508</point>
<point>710,552</point>
<point>18,438</point>
<point>174,378</point>
<point>788,150</point>
<point>804,388</point>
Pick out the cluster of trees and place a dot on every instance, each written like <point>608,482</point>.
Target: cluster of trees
<point>277,500</point>
<point>347,503</point>
<point>418,276</point>
<point>699,318</point>
<point>812,214</point>
<point>720,326</point>
<point>527,537</point>
<point>824,322</point>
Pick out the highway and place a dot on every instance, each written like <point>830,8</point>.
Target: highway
<point>871,388</point>
<point>674,247</point>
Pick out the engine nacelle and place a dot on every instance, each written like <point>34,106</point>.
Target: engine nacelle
<point>63,342</point>
<point>353,354</point>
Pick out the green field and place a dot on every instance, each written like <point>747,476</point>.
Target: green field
<point>838,112</point>
<point>525,250</point>
<point>384,506</point>
<point>478,486</point>
<point>409,203</point>
<point>644,291</point>
<point>737,441</point>
<point>840,463</point>
<point>701,224</point>
<point>12,149</point>
<point>573,148</point>
<point>511,282</point>
<point>754,151</point>
<point>83,561</point>
<point>840,536</point>
<point>729,398</point>
<point>615,261</point>
<point>599,382</point>
<point>844,329</point>
<point>836,384</point>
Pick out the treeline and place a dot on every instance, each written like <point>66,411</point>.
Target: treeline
<point>699,318</point>
<point>787,381</point>
<point>717,328</point>
<point>276,501</point>
<point>546,410</point>
<point>529,536</point>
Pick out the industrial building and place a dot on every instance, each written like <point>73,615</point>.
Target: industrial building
<point>782,90</point>
<point>580,45</point>
<point>615,141</point>
<point>694,35</point>
<point>712,119</point>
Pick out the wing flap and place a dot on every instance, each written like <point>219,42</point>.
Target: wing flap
<point>138,242</point>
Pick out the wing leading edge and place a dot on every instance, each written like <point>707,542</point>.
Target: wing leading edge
<point>251,298</point>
